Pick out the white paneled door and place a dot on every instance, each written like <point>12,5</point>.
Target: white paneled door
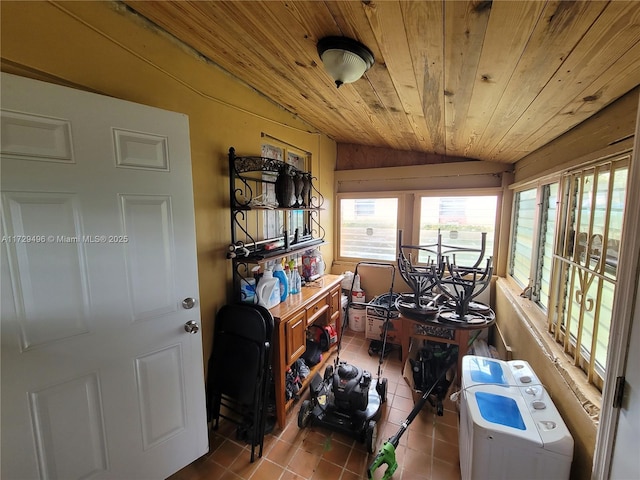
<point>100,376</point>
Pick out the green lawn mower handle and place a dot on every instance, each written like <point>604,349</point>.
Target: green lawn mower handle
<point>387,454</point>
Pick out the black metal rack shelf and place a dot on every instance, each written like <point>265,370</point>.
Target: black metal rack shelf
<point>258,237</point>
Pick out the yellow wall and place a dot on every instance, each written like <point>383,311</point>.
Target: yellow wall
<point>99,46</point>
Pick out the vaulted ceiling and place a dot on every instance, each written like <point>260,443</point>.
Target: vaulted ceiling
<point>478,79</point>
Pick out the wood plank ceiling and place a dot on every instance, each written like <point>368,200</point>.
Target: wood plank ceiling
<point>477,79</point>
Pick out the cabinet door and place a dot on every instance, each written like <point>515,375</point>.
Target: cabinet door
<point>335,302</point>
<point>296,335</point>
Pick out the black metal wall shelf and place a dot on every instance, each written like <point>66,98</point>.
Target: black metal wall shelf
<point>257,236</point>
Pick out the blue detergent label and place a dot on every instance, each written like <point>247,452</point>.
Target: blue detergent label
<point>484,370</point>
<point>247,291</point>
<point>499,409</point>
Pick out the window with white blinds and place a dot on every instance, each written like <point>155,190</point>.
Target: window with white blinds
<point>368,228</point>
<point>461,221</point>
<point>368,225</point>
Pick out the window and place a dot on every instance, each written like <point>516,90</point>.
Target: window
<point>461,221</point>
<point>587,260</point>
<point>548,209</point>
<point>522,236</point>
<point>564,246</point>
<point>369,225</point>
<point>368,228</point>
<point>365,207</point>
<point>533,230</point>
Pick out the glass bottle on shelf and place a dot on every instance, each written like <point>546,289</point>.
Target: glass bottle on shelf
<point>296,281</point>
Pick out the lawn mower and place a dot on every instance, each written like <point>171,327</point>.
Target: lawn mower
<point>347,399</point>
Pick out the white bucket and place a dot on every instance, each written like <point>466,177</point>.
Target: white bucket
<point>357,318</point>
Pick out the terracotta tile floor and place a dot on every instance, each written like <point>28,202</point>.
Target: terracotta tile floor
<point>428,449</point>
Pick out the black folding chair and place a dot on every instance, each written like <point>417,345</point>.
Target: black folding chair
<point>239,375</point>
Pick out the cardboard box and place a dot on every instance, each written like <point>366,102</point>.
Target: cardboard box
<point>375,323</point>
<point>374,329</point>
<point>407,373</point>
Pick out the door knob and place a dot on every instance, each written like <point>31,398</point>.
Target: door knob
<point>191,326</point>
<point>188,303</point>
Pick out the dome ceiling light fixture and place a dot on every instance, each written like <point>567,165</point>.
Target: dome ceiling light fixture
<point>345,59</point>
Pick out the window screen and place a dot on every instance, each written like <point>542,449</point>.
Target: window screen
<point>368,228</point>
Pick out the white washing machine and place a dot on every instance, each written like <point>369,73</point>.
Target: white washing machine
<point>509,427</point>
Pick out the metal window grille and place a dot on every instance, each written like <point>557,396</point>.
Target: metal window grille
<point>564,247</point>
<point>585,263</point>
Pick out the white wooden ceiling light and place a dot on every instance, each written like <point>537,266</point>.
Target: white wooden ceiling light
<point>345,59</point>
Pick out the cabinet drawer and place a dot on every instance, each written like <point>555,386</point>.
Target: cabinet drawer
<point>317,309</point>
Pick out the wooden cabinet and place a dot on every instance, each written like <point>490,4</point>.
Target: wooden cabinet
<point>314,304</point>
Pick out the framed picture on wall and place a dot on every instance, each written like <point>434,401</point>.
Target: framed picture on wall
<point>272,222</point>
<point>297,160</point>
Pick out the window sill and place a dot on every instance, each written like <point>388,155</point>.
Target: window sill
<point>535,321</point>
